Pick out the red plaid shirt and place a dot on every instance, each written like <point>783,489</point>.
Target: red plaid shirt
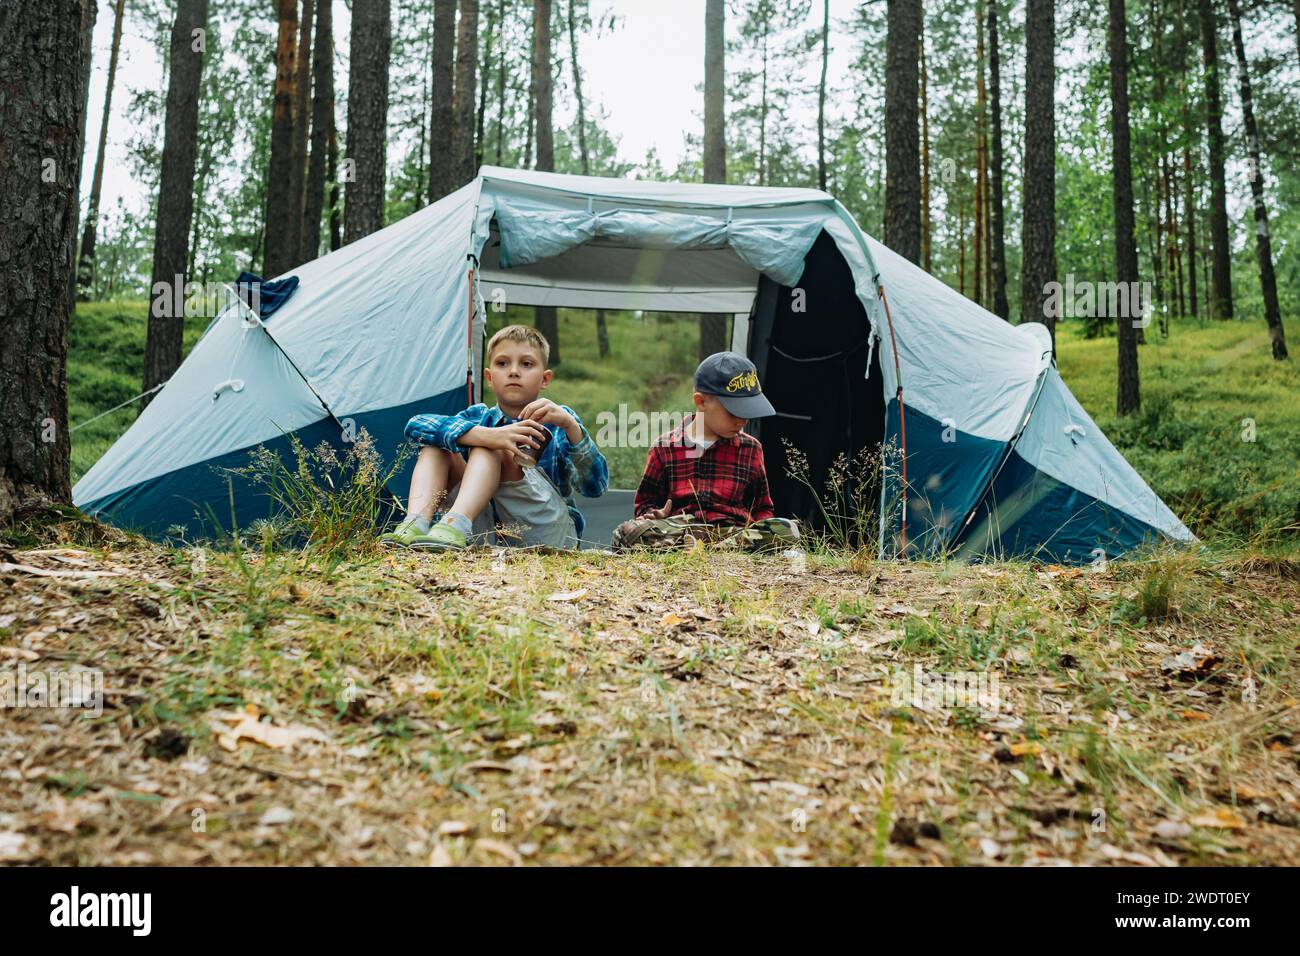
<point>726,483</point>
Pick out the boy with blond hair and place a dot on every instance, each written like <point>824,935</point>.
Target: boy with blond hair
<point>525,457</point>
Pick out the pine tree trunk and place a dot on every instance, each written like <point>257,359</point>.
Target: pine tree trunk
<point>961,248</point>
<point>998,258</point>
<point>542,87</point>
<point>1173,260</point>
<point>279,182</point>
<point>1221,250</point>
<point>1038,267</point>
<point>301,127</point>
<point>501,83</point>
<point>1128,397</point>
<point>1263,242</point>
<point>981,167</point>
<point>602,332</point>
<point>1189,201</point>
<point>821,96</point>
<point>713,326</point>
<point>462,101</point>
<point>86,265</point>
<point>363,213</point>
<point>322,119</point>
<point>441,180</point>
<point>335,190</point>
<point>547,318</point>
<point>43,77</point>
<point>163,343</point>
<point>926,244</point>
<point>89,14</point>
<point>484,75</point>
<point>902,146</point>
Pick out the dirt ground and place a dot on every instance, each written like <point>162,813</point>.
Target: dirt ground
<point>520,708</point>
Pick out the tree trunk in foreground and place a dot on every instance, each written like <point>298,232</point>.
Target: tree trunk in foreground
<point>44,87</point>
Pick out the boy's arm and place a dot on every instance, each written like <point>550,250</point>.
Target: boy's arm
<point>444,431</point>
<point>757,493</point>
<point>588,463</point>
<point>652,492</point>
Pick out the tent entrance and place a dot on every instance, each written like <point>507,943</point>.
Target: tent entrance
<point>811,344</point>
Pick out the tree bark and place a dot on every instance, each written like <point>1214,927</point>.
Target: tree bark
<point>602,332</point>
<point>462,133</point>
<point>44,82</point>
<point>981,159</point>
<point>163,344</point>
<point>279,182</point>
<point>713,326</point>
<point>1128,396</point>
<point>86,265</point>
<point>332,174</point>
<point>1220,249</point>
<point>542,86</point>
<point>998,259</point>
<point>322,119</point>
<point>821,96</point>
<point>301,127</point>
<point>926,244</point>
<point>484,74</point>
<point>501,83</point>
<point>902,146</point>
<point>1189,201</point>
<point>441,179</point>
<point>1038,268</point>
<point>363,213</point>
<point>546,318</point>
<point>1263,242</point>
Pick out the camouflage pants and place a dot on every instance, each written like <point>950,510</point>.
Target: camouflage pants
<point>683,531</point>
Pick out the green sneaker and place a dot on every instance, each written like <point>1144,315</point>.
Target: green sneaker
<point>402,536</point>
<point>441,537</point>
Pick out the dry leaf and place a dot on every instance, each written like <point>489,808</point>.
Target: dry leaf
<point>233,726</point>
<point>440,856</point>
<point>453,828</point>
<point>1223,818</point>
<point>1194,715</point>
<point>561,596</point>
<point>1029,748</point>
<point>501,849</point>
<point>671,619</point>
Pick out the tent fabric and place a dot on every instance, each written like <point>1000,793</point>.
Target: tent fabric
<point>999,454</point>
<point>270,295</point>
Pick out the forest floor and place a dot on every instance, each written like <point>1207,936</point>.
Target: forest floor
<point>521,708</point>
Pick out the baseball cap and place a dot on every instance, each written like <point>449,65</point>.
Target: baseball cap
<point>733,379</point>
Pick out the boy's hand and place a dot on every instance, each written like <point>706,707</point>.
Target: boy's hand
<point>507,437</point>
<point>660,512</point>
<point>546,412</point>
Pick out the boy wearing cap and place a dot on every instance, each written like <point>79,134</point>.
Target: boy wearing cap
<point>705,480</point>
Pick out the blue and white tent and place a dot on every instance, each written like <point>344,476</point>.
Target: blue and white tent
<point>855,344</point>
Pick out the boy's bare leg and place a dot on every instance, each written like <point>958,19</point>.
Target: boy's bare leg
<point>484,471</point>
<point>436,470</point>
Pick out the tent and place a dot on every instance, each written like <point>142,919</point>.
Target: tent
<point>856,346</point>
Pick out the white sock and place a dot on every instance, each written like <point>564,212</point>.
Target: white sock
<point>420,522</point>
<point>458,521</point>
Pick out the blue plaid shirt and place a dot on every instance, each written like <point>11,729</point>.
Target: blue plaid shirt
<point>569,466</point>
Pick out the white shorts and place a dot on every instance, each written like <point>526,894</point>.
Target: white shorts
<point>530,512</point>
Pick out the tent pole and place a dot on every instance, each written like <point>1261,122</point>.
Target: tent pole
<point>902,420</point>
